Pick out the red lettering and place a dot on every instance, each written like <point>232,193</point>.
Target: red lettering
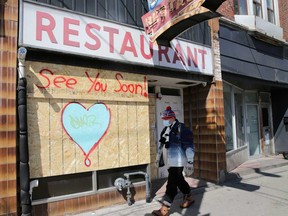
<point>56,80</point>
<point>132,88</point>
<point>48,28</point>
<point>89,32</point>
<point>203,53</point>
<point>193,57</point>
<point>71,82</point>
<point>142,46</point>
<point>125,47</point>
<point>112,32</point>
<point>163,52</point>
<point>68,32</point>
<point>178,56</point>
<point>120,86</point>
<point>96,85</point>
<point>48,80</point>
<point>59,79</point>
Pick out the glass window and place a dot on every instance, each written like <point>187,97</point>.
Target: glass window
<point>270,11</point>
<point>257,8</point>
<point>44,1</point>
<point>56,3</point>
<point>251,97</point>
<point>130,7</point>
<point>62,185</point>
<point>170,91</point>
<point>101,8</point>
<point>68,4</point>
<point>265,97</point>
<point>240,7</point>
<point>239,117</point>
<point>228,116</point>
<point>122,12</point>
<point>91,7</point>
<point>111,10</point>
<point>106,178</point>
<point>265,117</point>
<point>80,6</point>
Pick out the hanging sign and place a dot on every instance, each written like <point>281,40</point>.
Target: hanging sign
<point>171,17</point>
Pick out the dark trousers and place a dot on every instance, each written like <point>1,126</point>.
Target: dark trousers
<point>176,180</point>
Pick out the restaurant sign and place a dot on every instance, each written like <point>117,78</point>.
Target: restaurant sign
<point>67,32</point>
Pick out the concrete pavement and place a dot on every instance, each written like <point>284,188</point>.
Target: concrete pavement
<point>257,187</point>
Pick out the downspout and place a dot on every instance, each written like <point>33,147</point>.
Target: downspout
<point>23,135</point>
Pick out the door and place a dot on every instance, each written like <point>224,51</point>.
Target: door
<point>176,104</point>
<point>253,137</point>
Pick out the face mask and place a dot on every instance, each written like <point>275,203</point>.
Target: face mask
<point>166,123</point>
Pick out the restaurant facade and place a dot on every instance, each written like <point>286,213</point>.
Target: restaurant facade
<point>95,88</point>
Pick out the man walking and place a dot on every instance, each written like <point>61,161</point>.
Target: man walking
<point>178,140</point>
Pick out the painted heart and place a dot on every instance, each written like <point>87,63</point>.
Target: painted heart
<point>86,127</point>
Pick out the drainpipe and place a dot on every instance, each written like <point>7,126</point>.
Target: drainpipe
<point>23,135</point>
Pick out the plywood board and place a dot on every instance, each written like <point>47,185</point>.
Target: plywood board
<point>78,134</point>
<point>62,81</point>
<point>38,137</point>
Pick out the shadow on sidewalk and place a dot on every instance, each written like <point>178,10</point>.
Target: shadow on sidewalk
<point>158,189</point>
<point>232,180</point>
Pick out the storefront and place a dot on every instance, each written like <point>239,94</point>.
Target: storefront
<point>255,76</point>
<point>95,91</point>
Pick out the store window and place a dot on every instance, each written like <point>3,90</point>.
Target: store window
<point>265,97</point>
<point>55,186</point>
<point>251,97</point>
<point>228,117</point>
<point>239,117</point>
<point>234,117</point>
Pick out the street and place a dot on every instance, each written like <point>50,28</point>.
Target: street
<point>264,193</point>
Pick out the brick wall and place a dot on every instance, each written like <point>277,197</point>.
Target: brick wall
<point>283,10</point>
<point>204,105</point>
<point>8,62</point>
<point>227,9</point>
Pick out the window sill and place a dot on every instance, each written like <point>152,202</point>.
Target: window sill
<point>255,23</point>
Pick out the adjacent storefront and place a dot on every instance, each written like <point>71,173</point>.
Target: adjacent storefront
<point>254,78</point>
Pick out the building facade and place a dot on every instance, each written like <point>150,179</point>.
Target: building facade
<point>95,90</point>
<point>253,46</point>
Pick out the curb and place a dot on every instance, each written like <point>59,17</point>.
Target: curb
<point>232,176</point>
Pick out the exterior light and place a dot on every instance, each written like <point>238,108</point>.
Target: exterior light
<point>22,51</point>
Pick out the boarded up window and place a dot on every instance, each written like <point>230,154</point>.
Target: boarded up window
<point>82,119</point>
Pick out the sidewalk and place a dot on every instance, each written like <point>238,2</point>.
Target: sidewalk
<point>199,189</point>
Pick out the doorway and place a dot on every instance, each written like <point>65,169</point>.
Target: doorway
<point>253,138</point>
<point>177,106</point>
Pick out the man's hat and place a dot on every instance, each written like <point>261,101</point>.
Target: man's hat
<point>168,113</point>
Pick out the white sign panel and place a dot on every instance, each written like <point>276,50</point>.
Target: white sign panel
<point>53,29</point>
